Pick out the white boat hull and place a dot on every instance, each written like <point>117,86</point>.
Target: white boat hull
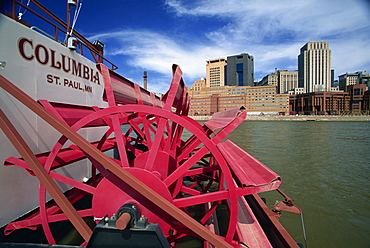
<point>44,69</point>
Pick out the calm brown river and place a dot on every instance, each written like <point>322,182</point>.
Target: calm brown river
<point>325,168</point>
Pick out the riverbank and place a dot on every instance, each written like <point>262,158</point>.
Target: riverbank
<point>297,118</point>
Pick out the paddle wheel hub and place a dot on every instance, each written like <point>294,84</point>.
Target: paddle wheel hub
<point>109,196</point>
<point>177,172</point>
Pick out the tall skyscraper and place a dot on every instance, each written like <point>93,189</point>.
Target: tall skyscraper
<point>215,72</point>
<point>240,70</point>
<point>314,67</point>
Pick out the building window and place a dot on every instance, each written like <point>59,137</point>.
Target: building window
<point>239,71</point>
<point>239,67</point>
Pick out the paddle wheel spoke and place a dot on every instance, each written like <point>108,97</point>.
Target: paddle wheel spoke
<point>190,187</point>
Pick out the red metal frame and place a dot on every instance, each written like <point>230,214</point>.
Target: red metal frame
<point>44,178</point>
<point>163,173</point>
<point>152,150</point>
<point>100,158</point>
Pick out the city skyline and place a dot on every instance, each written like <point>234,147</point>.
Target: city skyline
<point>152,35</point>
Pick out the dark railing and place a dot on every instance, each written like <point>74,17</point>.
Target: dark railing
<point>63,27</point>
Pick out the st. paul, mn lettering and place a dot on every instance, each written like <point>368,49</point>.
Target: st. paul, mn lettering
<point>52,79</point>
<point>45,56</point>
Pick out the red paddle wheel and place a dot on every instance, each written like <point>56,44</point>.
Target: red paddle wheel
<point>175,170</point>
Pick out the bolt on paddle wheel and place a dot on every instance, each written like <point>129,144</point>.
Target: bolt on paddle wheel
<point>155,142</point>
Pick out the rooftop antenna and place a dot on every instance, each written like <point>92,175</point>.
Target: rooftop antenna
<point>72,3</point>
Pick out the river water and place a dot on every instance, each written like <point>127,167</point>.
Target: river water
<point>325,168</point>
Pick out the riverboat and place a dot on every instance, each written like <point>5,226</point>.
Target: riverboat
<point>73,130</point>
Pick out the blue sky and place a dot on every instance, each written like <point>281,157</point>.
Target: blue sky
<point>151,35</point>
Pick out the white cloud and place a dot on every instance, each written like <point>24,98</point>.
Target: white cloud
<point>272,31</point>
<point>351,59</point>
<point>157,52</point>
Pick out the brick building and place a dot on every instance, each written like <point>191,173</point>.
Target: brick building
<point>331,103</point>
<point>257,99</point>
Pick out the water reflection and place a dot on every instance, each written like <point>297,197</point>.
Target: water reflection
<point>325,168</point>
